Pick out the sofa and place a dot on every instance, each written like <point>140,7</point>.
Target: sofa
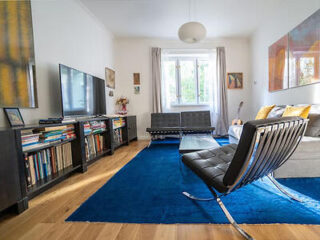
<point>305,162</point>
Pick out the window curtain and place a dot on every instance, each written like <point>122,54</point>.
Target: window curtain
<point>220,111</point>
<point>156,80</point>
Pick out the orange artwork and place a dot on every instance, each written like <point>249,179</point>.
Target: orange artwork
<point>278,55</point>
<point>235,80</point>
<point>17,63</point>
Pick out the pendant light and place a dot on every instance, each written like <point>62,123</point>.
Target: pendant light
<point>192,31</point>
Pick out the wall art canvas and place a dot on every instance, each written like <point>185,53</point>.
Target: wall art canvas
<point>235,80</point>
<point>110,78</point>
<point>304,52</point>
<point>17,61</point>
<point>278,64</point>
<point>294,60</point>
<point>136,89</point>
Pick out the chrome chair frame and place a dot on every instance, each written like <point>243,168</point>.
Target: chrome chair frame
<point>271,146</point>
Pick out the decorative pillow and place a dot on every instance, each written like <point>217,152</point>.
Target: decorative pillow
<point>264,111</point>
<point>277,111</point>
<point>313,129</point>
<point>302,111</point>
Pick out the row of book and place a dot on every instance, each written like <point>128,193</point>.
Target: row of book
<point>47,162</point>
<point>117,136</point>
<point>118,122</point>
<point>94,144</point>
<point>94,127</point>
<point>41,137</point>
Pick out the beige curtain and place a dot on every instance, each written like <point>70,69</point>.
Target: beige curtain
<point>156,80</point>
<point>222,124</point>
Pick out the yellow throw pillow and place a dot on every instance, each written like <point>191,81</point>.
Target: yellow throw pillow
<point>297,111</point>
<point>264,111</point>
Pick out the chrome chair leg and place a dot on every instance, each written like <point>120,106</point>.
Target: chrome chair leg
<point>275,182</point>
<point>188,195</point>
<point>229,217</point>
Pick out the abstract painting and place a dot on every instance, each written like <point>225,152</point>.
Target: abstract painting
<point>17,63</point>
<point>304,52</point>
<point>110,78</point>
<point>294,60</point>
<point>235,80</point>
<point>278,59</point>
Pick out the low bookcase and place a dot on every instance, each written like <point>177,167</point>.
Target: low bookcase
<point>36,157</point>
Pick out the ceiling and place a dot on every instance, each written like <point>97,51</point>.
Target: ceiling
<point>162,18</point>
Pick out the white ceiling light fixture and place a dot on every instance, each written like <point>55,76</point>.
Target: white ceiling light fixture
<point>192,31</point>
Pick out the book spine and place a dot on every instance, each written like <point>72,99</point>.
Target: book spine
<point>32,169</point>
<point>27,170</point>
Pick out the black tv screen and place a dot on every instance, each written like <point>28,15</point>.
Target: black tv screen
<point>82,94</point>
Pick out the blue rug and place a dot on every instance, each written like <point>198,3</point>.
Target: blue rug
<point>148,190</point>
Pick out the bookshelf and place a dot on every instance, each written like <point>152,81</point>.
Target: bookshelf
<point>43,155</point>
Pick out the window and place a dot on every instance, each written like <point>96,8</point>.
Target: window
<point>186,79</point>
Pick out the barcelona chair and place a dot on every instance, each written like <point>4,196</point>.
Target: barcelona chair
<point>263,147</point>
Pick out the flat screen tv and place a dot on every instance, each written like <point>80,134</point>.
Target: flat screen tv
<point>81,94</point>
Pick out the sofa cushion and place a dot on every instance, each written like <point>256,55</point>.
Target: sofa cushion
<point>297,111</point>
<point>277,111</point>
<point>313,129</point>
<point>264,112</point>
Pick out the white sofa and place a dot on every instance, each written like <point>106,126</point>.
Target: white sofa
<point>305,162</point>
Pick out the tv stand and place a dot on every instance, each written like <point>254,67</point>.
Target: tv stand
<point>86,148</point>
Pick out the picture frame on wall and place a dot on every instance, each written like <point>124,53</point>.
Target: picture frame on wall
<point>235,80</point>
<point>136,79</point>
<point>110,78</point>
<point>14,117</point>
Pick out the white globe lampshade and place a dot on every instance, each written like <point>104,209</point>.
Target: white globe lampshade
<point>192,32</point>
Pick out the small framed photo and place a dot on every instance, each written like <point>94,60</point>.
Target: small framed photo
<point>136,79</point>
<point>235,80</point>
<point>14,117</point>
<point>110,78</point>
<point>136,89</point>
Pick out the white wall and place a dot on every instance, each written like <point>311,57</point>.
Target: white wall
<point>287,14</point>
<point>65,32</point>
<point>134,55</point>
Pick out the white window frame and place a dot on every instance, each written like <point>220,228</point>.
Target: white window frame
<point>195,60</point>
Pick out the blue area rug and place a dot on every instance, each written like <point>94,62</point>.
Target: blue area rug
<point>148,190</point>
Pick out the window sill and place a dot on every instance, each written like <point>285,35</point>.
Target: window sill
<point>189,105</point>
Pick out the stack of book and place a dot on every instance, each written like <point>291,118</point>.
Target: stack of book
<point>44,136</point>
<point>29,138</point>
<point>98,126</point>
<point>118,122</point>
<point>87,128</point>
<point>47,162</point>
<point>94,144</point>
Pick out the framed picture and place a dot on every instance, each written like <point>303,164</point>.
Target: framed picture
<point>136,79</point>
<point>235,80</point>
<point>110,78</point>
<point>14,117</point>
<point>136,89</point>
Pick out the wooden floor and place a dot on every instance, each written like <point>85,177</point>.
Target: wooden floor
<point>46,214</point>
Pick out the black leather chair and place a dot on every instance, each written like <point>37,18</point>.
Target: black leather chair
<point>263,147</point>
<point>164,124</point>
<point>196,122</point>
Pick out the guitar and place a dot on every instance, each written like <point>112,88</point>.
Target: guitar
<point>238,121</point>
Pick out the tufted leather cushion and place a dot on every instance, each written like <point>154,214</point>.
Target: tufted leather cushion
<point>196,119</point>
<point>211,165</point>
<point>162,120</point>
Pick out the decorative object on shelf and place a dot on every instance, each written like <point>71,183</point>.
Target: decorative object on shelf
<point>110,78</point>
<point>294,59</point>
<point>14,117</point>
<point>136,89</point>
<point>110,93</point>
<point>235,80</point>
<point>17,68</point>
<point>136,79</point>
<point>192,31</point>
<point>122,102</point>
